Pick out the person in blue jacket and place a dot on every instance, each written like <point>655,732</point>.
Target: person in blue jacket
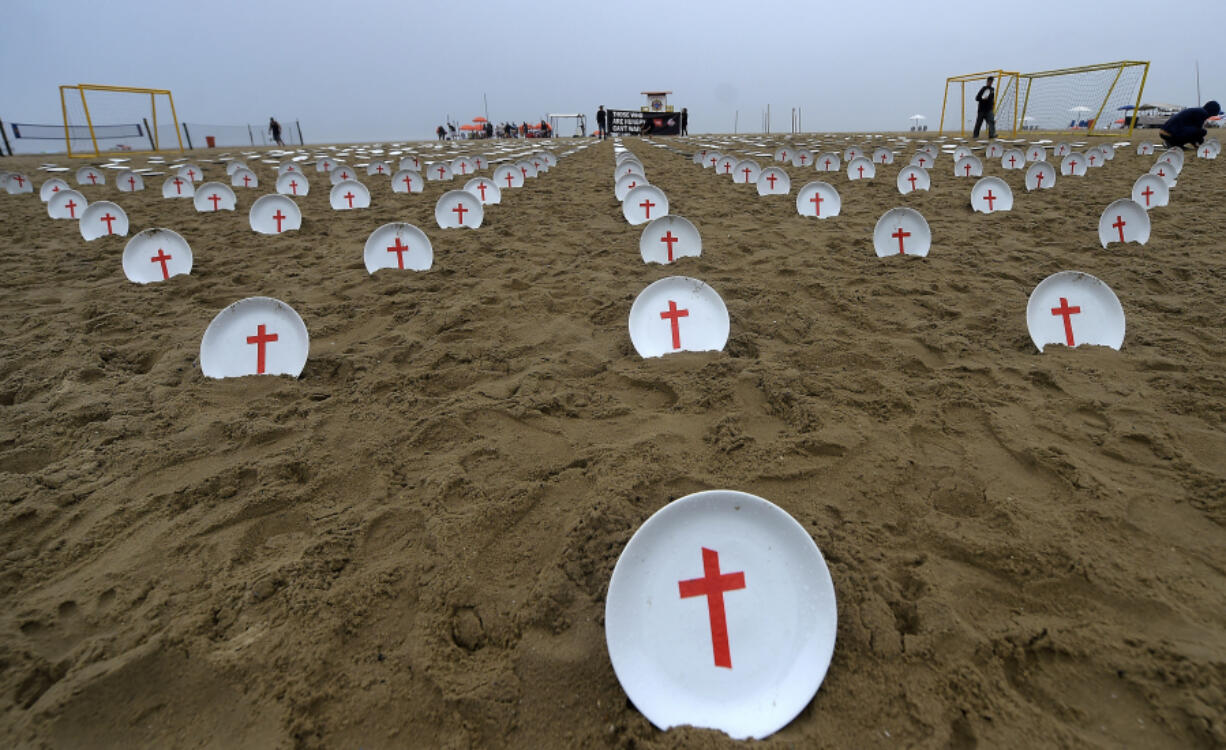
<point>1188,126</point>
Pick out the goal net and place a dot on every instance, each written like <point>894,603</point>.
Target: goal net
<point>114,119</point>
<point>1090,99</point>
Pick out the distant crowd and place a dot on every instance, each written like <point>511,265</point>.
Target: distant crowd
<point>486,129</point>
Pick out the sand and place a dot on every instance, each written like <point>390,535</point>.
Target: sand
<point>410,545</point>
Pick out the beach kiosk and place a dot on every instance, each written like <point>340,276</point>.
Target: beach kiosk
<point>657,102</point>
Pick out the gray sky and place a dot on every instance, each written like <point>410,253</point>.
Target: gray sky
<point>355,71</point>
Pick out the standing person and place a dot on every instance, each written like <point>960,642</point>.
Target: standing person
<point>1188,126</point>
<point>602,122</point>
<point>440,132</point>
<point>274,128</point>
<point>987,108</point>
<point>685,121</point>
<point>451,127</point>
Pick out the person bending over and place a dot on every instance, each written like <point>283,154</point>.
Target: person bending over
<point>1188,126</point>
<point>274,128</point>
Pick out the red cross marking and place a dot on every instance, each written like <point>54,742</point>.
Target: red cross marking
<point>325,165</point>
<point>178,186</point>
<point>510,180</point>
<point>673,315</point>
<point>524,172</point>
<point>785,155</point>
<point>1038,177</point>
<point>400,249</point>
<point>349,197</point>
<point>71,205</point>
<point>861,170</point>
<point>1091,160</point>
<point>131,183</point>
<point>669,239</point>
<point>162,257</point>
<point>459,210</point>
<point>463,168</point>
<point>646,206</point>
<point>260,340</point>
<point>1119,225</point>
<point>816,200</point>
<point>191,175</point>
<point>772,178</point>
<point>216,199</point>
<point>107,219</point>
<point>54,188</point>
<point>911,179</point>
<point>344,175</point>
<point>712,585</point>
<point>746,172</point>
<point>293,185</point>
<point>481,187</point>
<point>1206,152</point>
<point>1072,166</point>
<point>713,161</point>
<point>633,184</point>
<point>246,180</point>
<point>1067,313</point>
<point>379,168</point>
<point>921,161</point>
<point>883,158</point>
<point>968,169</point>
<point>21,181</point>
<point>727,167</point>
<point>991,199</point>
<point>408,183</point>
<point>1148,191</point>
<point>899,236</point>
<point>279,217</point>
<point>1161,173</point>
<point>93,178</point>
<point>802,159</point>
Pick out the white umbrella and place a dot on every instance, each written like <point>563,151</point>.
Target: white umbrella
<point>917,117</point>
<point>1080,108</point>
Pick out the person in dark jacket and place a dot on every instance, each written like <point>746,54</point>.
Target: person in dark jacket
<point>685,121</point>
<point>602,122</point>
<point>274,127</point>
<point>441,132</point>
<point>1188,126</point>
<point>987,108</point>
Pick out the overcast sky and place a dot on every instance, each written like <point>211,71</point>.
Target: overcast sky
<point>357,71</point>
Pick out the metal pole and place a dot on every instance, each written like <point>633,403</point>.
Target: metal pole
<point>298,124</point>
<point>1198,101</point>
<point>250,135</point>
<point>189,136</point>
<point>735,118</point>
<point>485,100</point>
<point>149,133</point>
<point>6,139</point>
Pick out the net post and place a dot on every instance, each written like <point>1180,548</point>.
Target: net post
<point>149,133</point>
<point>89,120</point>
<point>298,124</point>
<point>1106,98</point>
<point>1137,106</point>
<point>64,110</point>
<point>175,116</point>
<point>187,133</point>
<point>962,122</point>
<point>250,135</point>
<point>153,110</point>
<point>6,139</point>
<point>944,100</point>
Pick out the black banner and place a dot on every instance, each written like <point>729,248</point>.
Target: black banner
<point>634,122</point>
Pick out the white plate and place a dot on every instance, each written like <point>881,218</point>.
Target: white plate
<point>644,203</point>
<point>677,314</point>
<point>228,350</point>
<point>1076,305</point>
<point>668,238</point>
<point>1123,221</point>
<point>155,255</point>
<point>400,246</point>
<point>902,231</point>
<point>780,621</point>
<point>459,209</point>
<point>274,214</point>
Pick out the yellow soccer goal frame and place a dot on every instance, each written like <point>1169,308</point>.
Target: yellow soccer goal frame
<point>81,88</point>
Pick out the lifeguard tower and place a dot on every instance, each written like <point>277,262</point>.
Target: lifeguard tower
<point>657,102</point>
